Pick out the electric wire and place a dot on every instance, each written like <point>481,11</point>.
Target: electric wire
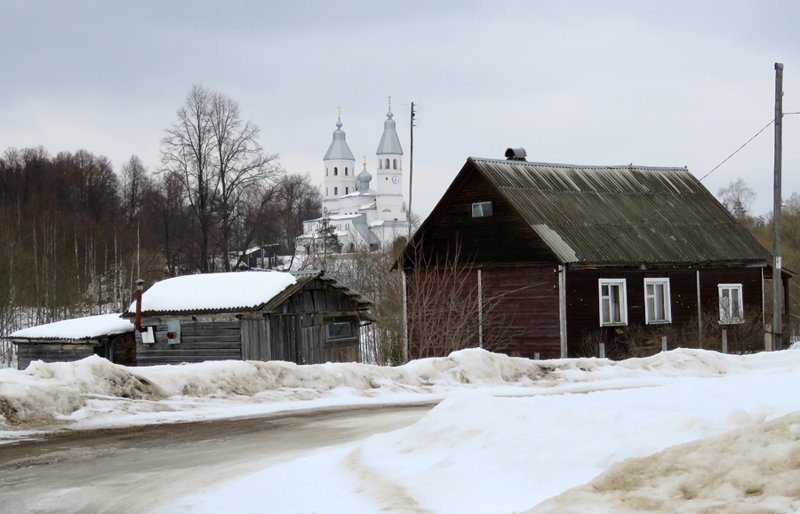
<point>738,149</point>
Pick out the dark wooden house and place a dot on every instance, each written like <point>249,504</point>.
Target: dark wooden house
<point>106,335</point>
<point>305,317</point>
<point>560,258</point>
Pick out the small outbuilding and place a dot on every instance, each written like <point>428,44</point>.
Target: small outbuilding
<point>304,317</point>
<point>106,335</point>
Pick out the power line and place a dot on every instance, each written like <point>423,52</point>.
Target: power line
<point>738,149</point>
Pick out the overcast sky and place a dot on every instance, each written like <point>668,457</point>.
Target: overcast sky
<point>653,83</point>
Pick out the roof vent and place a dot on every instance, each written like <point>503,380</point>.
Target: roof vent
<point>516,154</point>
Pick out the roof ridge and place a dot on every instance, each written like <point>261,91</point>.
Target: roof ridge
<point>578,166</point>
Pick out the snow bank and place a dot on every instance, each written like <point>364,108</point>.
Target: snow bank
<point>479,453</point>
<point>78,328</point>
<point>45,392</point>
<point>93,387</point>
<point>752,469</point>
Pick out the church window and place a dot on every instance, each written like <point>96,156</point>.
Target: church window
<point>346,189</point>
<point>335,189</point>
<point>387,164</point>
<point>335,171</point>
<point>395,164</point>
<point>380,164</point>
<point>326,171</point>
<point>345,171</point>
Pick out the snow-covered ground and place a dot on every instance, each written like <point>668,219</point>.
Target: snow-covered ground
<point>509,435</point>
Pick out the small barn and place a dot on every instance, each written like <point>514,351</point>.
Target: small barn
<point>558,258</point>
<point>106,335</point>
<point>304,317</point>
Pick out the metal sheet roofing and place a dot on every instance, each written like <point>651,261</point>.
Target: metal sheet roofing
<point>621,214</point>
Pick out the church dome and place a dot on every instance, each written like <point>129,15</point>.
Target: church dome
<point>390,143</point>
<point>339,150</point>
<point>364,179</point>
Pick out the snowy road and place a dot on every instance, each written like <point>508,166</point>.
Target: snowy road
<point>137,469</point>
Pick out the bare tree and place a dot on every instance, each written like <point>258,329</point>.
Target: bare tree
<point>738,197</point>
<point>218,158</point>
<point>298,199</point>
<point>240,165</point>
<point>134,184</point>
<point>187,151</point>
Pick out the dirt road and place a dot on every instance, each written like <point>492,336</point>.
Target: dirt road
<point>137,469</point>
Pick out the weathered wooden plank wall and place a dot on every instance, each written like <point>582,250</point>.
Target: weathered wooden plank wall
<point>502,238</point>
<point>122,349</point>
<point>52,352</point>
<point>200,341</point>
<point>256,340</point>
<point>583,316</point>
<point>522,317</point>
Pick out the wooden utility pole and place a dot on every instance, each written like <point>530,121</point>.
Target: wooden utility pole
<point>411,171</point>
<point>777,303</point>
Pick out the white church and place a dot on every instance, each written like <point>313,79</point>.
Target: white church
<point>362,213</point>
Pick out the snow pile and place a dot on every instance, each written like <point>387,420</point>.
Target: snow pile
<point>752,469</point>
<point>210,291</point>
<point>95,389</point>
<point>45,392</point>
<point>479,453</point>
<point>79,328</point>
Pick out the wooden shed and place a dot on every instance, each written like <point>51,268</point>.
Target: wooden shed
<point>559,258</point>
<point>304,317</point>
<point>106,335</point>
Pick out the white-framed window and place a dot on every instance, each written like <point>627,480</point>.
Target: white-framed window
<point>481,209</point>
<point>613,301</point>
<point>657,301</point>
<point>731,306</point>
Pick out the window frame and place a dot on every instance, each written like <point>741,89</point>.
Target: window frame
<point>482,209</point>
<point>666,298</point>
<point>723,320</point>
<point>349,335</point>
<point>623,309</point>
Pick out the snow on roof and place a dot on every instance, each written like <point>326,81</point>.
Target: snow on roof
<point>78,328</point>
<point>215,291</point>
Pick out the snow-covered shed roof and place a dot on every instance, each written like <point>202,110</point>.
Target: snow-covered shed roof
<point>239,291</point>
<point>233,291</point>
<point>89,327</point>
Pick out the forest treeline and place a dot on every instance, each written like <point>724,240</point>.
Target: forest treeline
<point>74,234</point>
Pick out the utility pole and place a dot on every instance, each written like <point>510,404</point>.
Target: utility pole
<point>777,303</point>
<point>411,171</point>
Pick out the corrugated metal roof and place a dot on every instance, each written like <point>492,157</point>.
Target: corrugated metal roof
<point>621,214</point>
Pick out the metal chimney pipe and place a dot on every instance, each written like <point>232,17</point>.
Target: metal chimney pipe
<point>516,154</point>
<point>139,289</point>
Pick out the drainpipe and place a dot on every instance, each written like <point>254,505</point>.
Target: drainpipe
<point>139,289</point>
